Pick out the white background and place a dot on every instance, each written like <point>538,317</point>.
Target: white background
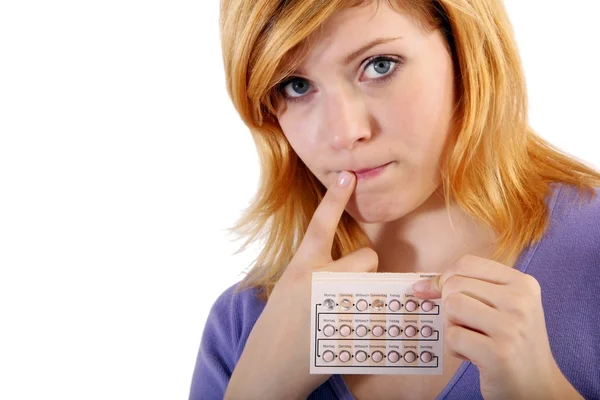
<point>122,163</point>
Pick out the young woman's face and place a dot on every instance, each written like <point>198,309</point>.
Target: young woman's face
<point>388,106</point>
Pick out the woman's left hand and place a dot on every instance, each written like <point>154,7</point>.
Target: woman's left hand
<point>493,317</point>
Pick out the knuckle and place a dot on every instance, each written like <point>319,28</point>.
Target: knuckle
<point>452,283</point>
<point>519,313</point>
<point>523,303</point>
<point>452,302</point>
<point>532,284</point>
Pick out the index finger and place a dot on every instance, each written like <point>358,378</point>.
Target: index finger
<point>318,239</point>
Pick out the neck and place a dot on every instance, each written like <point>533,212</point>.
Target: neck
<point>430,238</point>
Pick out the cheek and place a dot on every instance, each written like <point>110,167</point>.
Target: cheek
<point>295,132</point>
<point>421,115</point>
<point>301,133</point>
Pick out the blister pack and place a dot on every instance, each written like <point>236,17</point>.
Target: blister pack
<point>371,323</point>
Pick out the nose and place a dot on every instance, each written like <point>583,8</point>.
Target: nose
<point>346,120</point>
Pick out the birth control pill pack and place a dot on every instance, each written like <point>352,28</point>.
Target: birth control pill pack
<point>371,323</point>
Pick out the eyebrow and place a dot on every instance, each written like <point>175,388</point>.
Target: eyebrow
<point>366,47</point>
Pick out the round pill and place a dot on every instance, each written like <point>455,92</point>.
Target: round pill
<point>410,356</point>
<point>360,356</point>
<point>395,305</point>
<point>394,331</point>
<point>410,305</point>
<point>378,304</point>
<point>377,330</point>
<point>328,330</point>
<point>426,331</point>
<point>344,356</point>
<point>345,304</point>
<point>329,304</point>
<point>361,330</point>
<point>427,305</point>
<point>345,330</point>
<point>410,331</point>
<point>393,356</point>
<point>328,356</point>
<point>426,356</point>
<point>362,305</point>
<point>377,356</point>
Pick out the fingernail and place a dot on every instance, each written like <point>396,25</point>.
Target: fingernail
<point>421,286</point>
<point>344,178</point>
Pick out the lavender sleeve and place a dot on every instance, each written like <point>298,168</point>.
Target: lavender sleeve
<point>227,327</point>
<point>216,358</point>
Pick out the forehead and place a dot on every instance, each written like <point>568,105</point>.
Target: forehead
<point>349,28</point>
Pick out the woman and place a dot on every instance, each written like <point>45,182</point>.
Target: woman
<point>393,137</point>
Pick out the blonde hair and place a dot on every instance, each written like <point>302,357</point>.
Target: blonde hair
<point>498,170</point>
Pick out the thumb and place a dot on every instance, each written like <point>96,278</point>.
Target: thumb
<point>430,288</point>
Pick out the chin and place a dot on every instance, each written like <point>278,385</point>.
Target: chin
<point>384,207</point>
<point>376,211</point>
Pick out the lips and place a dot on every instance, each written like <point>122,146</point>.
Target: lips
<point>365,170</point>
<point>361,171</point>
<point>366,173</point>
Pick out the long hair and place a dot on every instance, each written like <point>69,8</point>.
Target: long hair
<point>497,170</point>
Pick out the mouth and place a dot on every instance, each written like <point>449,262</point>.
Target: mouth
<point>368,173</point>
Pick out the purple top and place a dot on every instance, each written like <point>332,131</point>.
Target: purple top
<point>566,263</point>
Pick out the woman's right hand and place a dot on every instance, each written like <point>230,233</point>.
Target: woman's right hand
<point>275,361</point>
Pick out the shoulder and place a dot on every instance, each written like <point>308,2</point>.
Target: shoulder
<point>230,320</point>
<point>237,310</point>
<point>574,203</point>
<point>571,245</point>
<point>574,217</point>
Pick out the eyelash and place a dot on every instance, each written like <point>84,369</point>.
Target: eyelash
<point>372,60</point>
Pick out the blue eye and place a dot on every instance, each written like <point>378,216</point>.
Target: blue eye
<point>382,66</point>
<point>297,87</point>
